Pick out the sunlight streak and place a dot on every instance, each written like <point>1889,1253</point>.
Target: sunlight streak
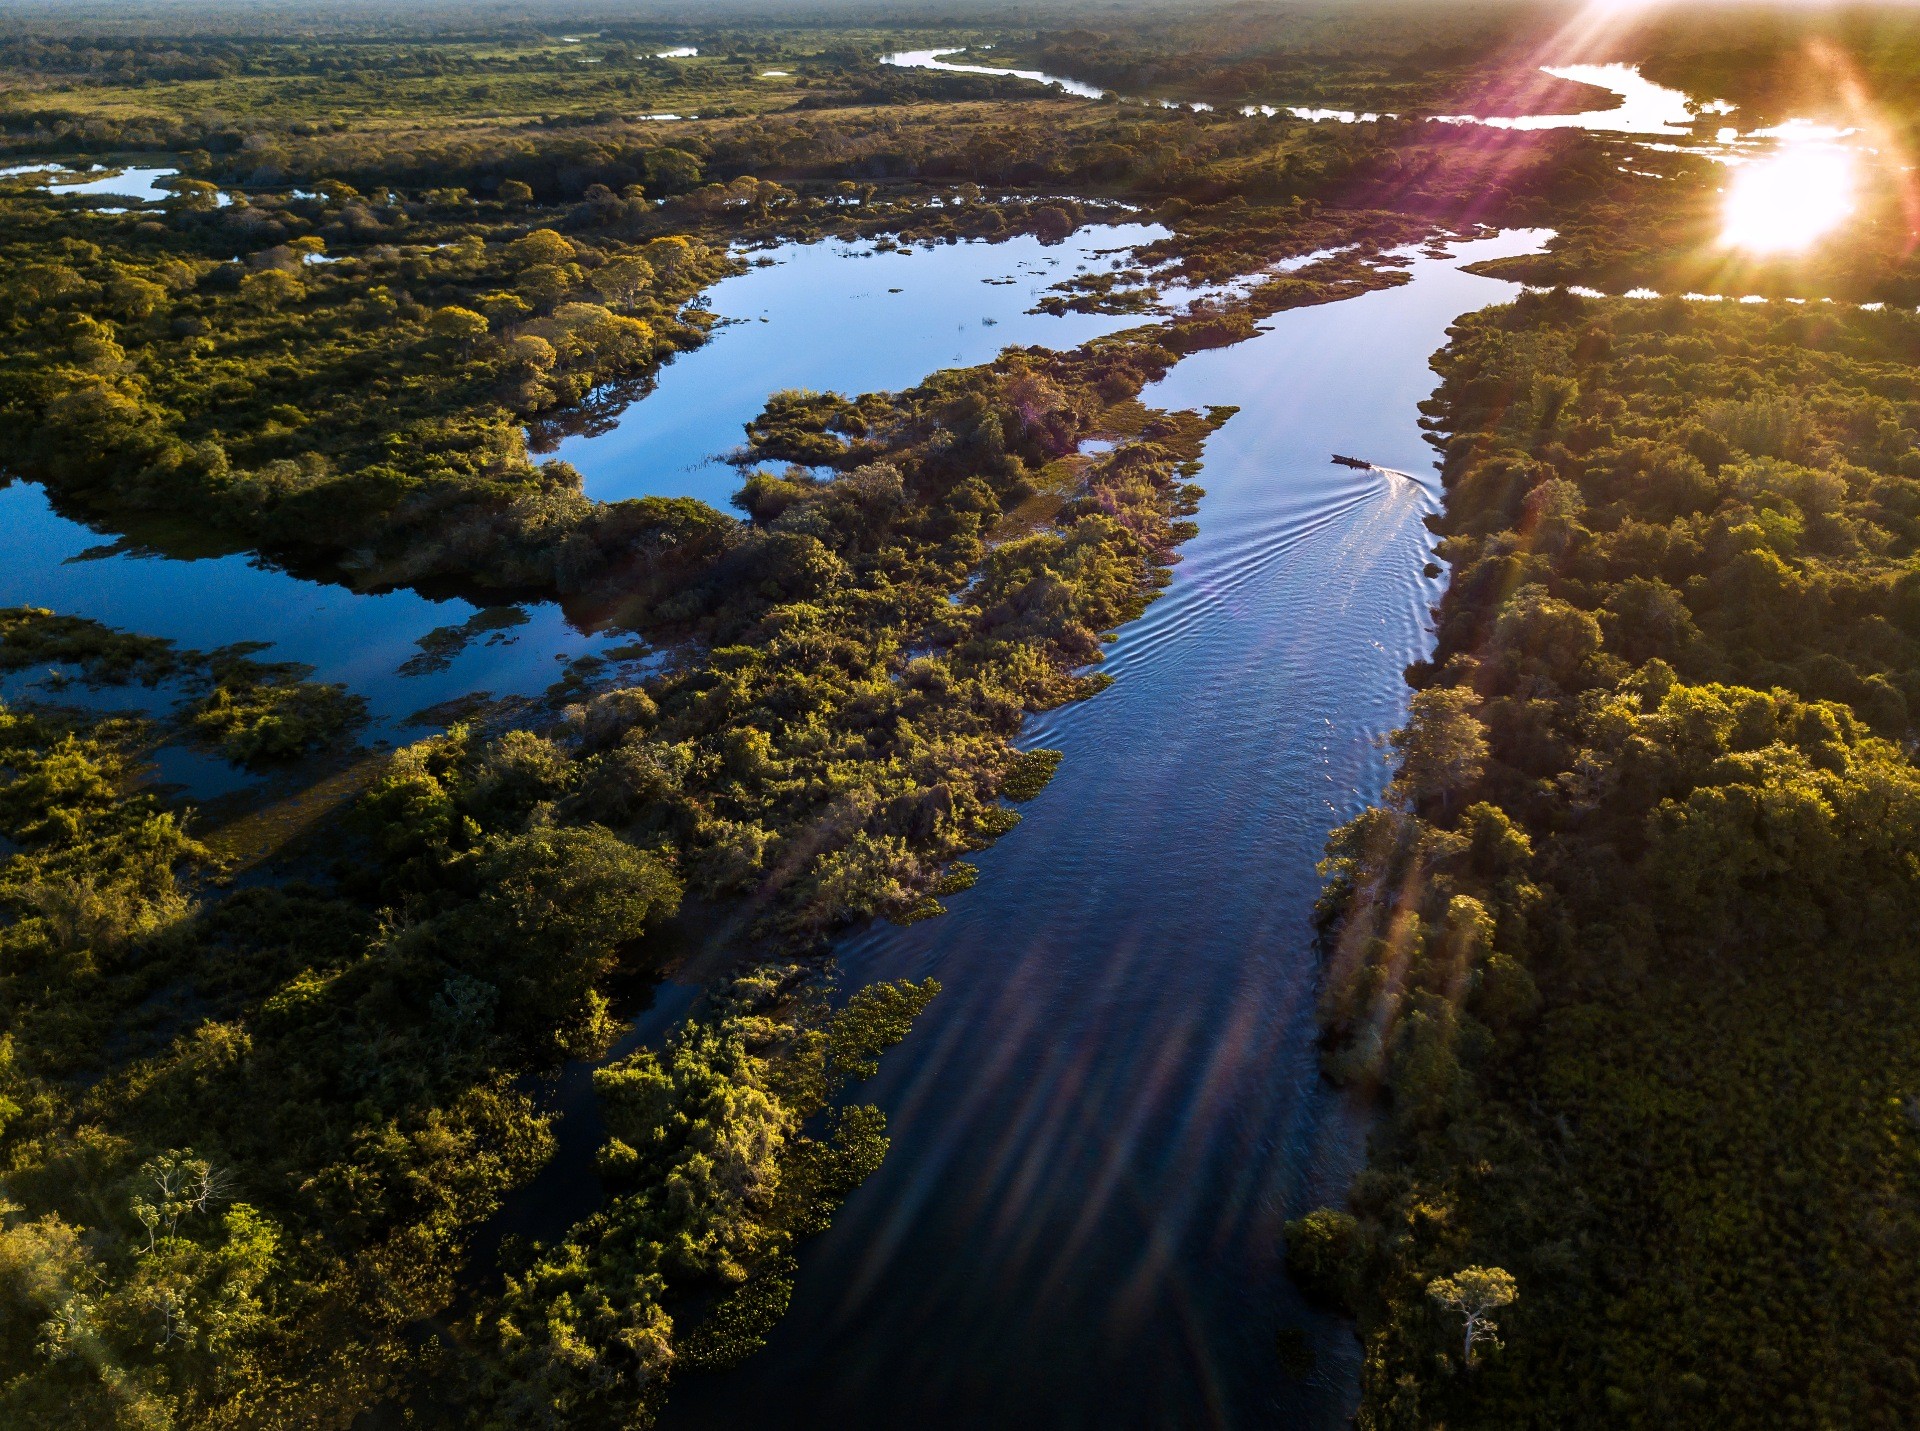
<point>1787,202</point>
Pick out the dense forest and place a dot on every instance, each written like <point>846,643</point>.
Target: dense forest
<point>1625,953</point>
<point>1632,950</point>
<point>1628,951</point>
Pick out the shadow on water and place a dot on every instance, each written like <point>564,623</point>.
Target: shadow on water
<point>1101,1125</point>
<point>169,580</point>
<point>567,1189</point>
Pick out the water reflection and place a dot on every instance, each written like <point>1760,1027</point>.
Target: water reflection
<point>1101,1124</point>
<point>1793,183</point>
<point>142,185</point>
<point>401,650</point>
<point>934,60</point>
<point>1644,107</point>
<point>851,317</point>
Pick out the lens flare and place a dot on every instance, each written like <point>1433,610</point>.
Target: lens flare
<point>1789,200</point>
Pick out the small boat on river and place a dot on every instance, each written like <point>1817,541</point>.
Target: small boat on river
<point>1360,463</point>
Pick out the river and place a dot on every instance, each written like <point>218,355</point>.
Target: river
<point>1101,1124</point>
<point>1641,106</point>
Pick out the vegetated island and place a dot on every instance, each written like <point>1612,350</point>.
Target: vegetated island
<point>264,1085</point>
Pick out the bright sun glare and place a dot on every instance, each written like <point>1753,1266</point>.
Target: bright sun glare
<point>1785,202</point>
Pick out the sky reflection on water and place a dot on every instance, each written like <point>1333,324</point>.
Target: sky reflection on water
<point>843,317</point>
<point>360,639</point>
<point>1102,1122</point>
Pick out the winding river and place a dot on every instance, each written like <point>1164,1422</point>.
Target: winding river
<point>1101,1124</point>
<point>1640,107</point>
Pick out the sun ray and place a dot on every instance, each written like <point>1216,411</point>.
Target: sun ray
<point>1790,200</point>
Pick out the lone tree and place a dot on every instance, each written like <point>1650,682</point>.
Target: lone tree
<point>1442,748</point>
<point>1476,1293</point>
<point>461,326</point>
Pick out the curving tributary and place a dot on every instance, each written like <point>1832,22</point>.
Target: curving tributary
<point>1100,1126</point>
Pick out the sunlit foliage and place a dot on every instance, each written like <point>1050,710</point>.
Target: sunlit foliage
<point>1630,951</point>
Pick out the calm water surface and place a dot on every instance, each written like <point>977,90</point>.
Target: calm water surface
<point>1641,107</point>
<point>936,60</point>
<point>369,642</point>
<point>847,318</point>
<point>821,315</point>
<point>1101,1124</point>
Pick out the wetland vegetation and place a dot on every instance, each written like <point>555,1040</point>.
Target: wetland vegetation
<point>1625,950</point>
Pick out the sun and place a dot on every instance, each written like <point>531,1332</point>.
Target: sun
<point>1790,200</point>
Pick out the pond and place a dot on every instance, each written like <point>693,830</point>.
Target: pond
<point>143,185</point>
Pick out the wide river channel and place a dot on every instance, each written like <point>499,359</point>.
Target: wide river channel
<point>1101,1124</point>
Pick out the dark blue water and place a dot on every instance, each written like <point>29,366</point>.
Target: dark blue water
<point>369,642</point>
<point>1102,1123</point>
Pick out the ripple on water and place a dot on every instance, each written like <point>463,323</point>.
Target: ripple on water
<point>1101,1124</point>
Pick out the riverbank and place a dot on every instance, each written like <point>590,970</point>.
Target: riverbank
<point>1628,947</point>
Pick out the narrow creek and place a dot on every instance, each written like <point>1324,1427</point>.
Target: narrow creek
<point>1102,1122</point>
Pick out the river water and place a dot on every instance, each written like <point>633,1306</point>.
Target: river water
<point>1641,106</point>
<point>1101,1124</point>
